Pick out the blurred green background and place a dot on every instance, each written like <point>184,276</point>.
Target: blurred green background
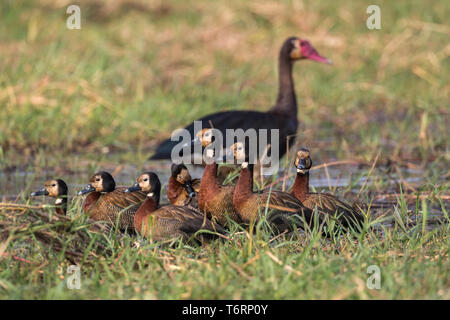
<point>139,69</point>
<point>76,101</point>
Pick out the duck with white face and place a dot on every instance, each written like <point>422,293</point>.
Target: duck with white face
<point>166,222</point>
<point>326,203</point>
<point>181,188</point>
<point>147,183</point>
<point>56,188</point>
<point>106,202</point>
<point>283,209</point>
<point>303,161</point>
<point>214,199</point>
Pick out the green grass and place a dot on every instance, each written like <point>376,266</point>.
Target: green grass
<point>137,70</point>
<point>131,76</point>
<point>413,261</point>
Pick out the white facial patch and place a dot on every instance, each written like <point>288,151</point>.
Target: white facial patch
<point>150,194</point>
<point>210,153</point>
<point>58,201</point>
<point>207,137</point>
<point>244,165</point>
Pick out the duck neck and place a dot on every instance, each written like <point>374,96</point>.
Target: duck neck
<point>209,185</point>
<point>244,186</point>
<point>286,101</point>
<point>300,189</point>
<point>90,201</point>
<point>150,204</point>
<point>61,205</point>
<point>174,189</point>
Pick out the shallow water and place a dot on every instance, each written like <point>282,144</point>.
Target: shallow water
<point>13,184</point>
<point>17,185</point>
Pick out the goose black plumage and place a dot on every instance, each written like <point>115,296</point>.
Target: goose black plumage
<point>282,116</point>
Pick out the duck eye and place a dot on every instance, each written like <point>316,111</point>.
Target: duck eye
<point>145,179</point>
<point>98,179</point>
<point>53,185</point>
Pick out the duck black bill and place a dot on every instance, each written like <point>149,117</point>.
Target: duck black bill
<point>189,189</point>
<point>194,142</point>
<point>87,189</point>
<point>135,187</point>
<point>302,165</point>
<point>40,192</point>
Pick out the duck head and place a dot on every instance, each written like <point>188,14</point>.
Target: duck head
<point>203,137</point>
<point>101,181</point>
<point>53,188</point>
<point>303,161</point>
<point>147,182</point>
<point>181,174</point>
<point>210,140</point>
<point>240,153</point>
<point>297,48</point>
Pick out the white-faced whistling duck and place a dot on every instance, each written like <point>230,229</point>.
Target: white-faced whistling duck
<point>182,189</point>
<point>169,221</point>
<point>326,203</point>
<point>284,209</point>
<point>105,201</point>
<point>214,199</point>
<point>282,116</point>
<point>56,189</point>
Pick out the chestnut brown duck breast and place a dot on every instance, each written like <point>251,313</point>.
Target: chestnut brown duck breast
<point>324,202</point>
<point>169,221</point>
<point>182,189</point>
<point>106,202</point>
<point>56,189</point>
<point>282,116</point>
<point>214,199</point>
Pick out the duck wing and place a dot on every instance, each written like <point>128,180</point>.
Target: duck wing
<point>285,209</point>
<point>331,205</point>
<point>174,220</point>
<point>117,202</point>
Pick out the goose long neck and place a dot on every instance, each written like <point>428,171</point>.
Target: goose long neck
<point>286,101</point>
<point>300,189</point>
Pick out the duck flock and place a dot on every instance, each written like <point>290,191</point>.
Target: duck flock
<point>198,205</point>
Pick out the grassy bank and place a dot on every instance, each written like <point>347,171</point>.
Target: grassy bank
<point>75,101</point>
<point>412,259</point>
